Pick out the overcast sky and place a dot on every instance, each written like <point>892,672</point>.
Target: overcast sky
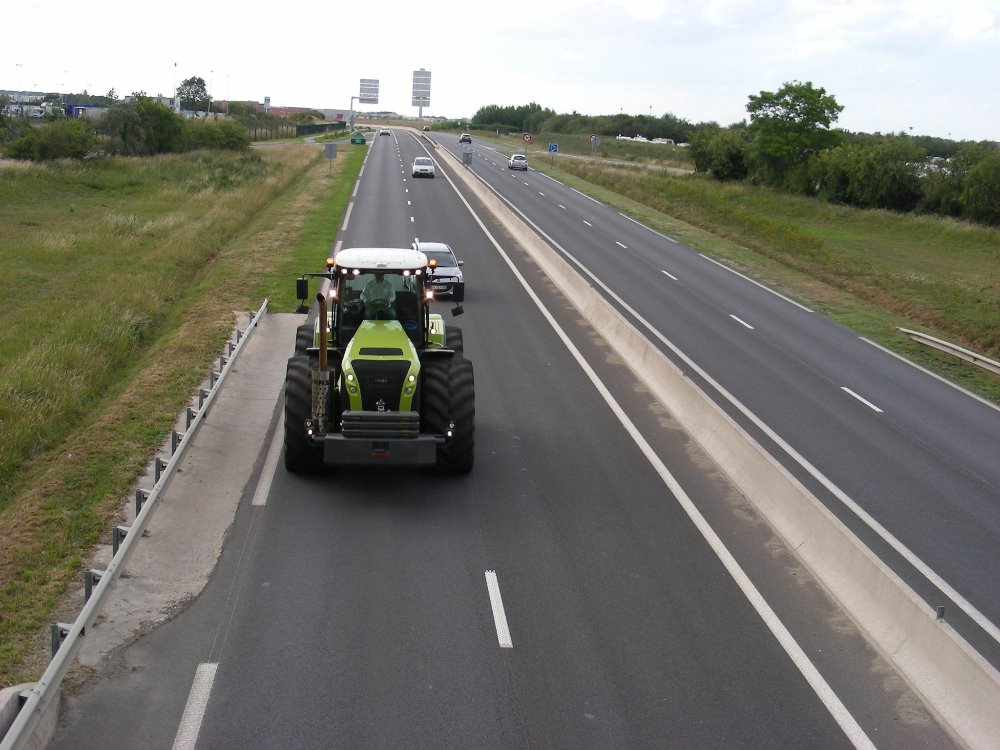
<point>922,66</point>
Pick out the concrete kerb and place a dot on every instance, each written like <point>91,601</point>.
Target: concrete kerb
<point>956,683</point>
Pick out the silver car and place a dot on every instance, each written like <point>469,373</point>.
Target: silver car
<point>423,166</point>
<point>518,161</point>
<point>445,272</point>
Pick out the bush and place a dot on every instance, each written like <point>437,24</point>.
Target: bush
<point>215,134</point>
<point>882,175</point>
<point>720,153</point>
<point>60,139</point>
<point>981,195</point>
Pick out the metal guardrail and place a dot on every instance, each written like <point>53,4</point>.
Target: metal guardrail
<point>66,638</point>
<point>957,351</point>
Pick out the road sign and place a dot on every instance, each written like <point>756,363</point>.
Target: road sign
<point>526,137</point>
<point>553,148</point>
<point>369,91</point>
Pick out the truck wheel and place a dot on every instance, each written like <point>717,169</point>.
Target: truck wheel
<point>453,340</point>
<point>449,395</point>
<point>301,456</point>
<point>304,337</point>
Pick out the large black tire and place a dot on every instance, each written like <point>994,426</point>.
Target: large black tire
<point>304,337</point>
<point>453,340</point>
<point>449,395</point>
<point>301,456</point>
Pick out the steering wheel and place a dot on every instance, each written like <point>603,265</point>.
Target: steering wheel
<point>378,305</point>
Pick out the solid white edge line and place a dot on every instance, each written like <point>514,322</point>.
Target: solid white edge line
<point>925,371</point>
<point>756,283</point>
<point>499,615</point>
<point>194,709</point>
<point>824,692</point>
<point>863,400</point>
<point>270,465</point>
<point>648,229</point>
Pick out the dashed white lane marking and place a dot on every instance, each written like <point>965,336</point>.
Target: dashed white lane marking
<point>194,710</point>
<point>499,616</point>
<point>623,247</point>
<point>742,322</point>
<point>864,401</point>
<point>668,274</point>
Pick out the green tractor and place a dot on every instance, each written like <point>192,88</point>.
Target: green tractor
<point>378,379</point>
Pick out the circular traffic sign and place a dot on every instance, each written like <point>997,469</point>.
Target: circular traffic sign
<point>527,137</point>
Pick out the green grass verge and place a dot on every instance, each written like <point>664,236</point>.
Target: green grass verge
<point>121,279</point>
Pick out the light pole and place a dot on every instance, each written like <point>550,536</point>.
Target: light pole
<point>211,81</point>
<point>19,66</point>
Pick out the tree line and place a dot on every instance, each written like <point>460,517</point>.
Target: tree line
<point>789,143</point>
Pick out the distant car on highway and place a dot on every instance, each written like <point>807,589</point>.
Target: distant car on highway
<point>423,166</point>
<point>517,161</point>
<point>465,138</point>
<point>384,131</point>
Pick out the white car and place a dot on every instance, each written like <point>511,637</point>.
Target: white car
<point>384,131</point>
<point>518,161</point>
<point>445,275</point>
<point>423,166</point>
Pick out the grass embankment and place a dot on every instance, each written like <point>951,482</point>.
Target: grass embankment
<point>871,270</point>
<point>119,279</point>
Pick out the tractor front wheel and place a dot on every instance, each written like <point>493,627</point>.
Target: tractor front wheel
<point>448,404</point>
<point>301,455</point>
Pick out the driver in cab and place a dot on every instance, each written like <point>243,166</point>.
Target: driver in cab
<point>379,297</point>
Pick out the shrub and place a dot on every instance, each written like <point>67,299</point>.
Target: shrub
<point>720,153</point>
<point>215,134</point>
<point>981,194</point>
<point>60,139</point>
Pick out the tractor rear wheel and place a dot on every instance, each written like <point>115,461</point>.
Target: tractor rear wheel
<point>449,397</point>
<point>301,456</point>
<point>304,337</point>
<point>453,340</point>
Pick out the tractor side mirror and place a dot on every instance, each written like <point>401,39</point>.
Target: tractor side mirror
<point>302,294</point>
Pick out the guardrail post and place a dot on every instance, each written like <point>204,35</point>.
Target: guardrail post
<point>140,497</point>
<point>59,632</point>
<point>175,440</point>
<point>202,395</point>
<point>117,534</point>
<point>90,578</point>
<point>158,466</point>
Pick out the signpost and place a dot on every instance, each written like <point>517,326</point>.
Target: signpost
<point>421,91</point>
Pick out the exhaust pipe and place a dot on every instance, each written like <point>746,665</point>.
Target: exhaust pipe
<point>321,377</point>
